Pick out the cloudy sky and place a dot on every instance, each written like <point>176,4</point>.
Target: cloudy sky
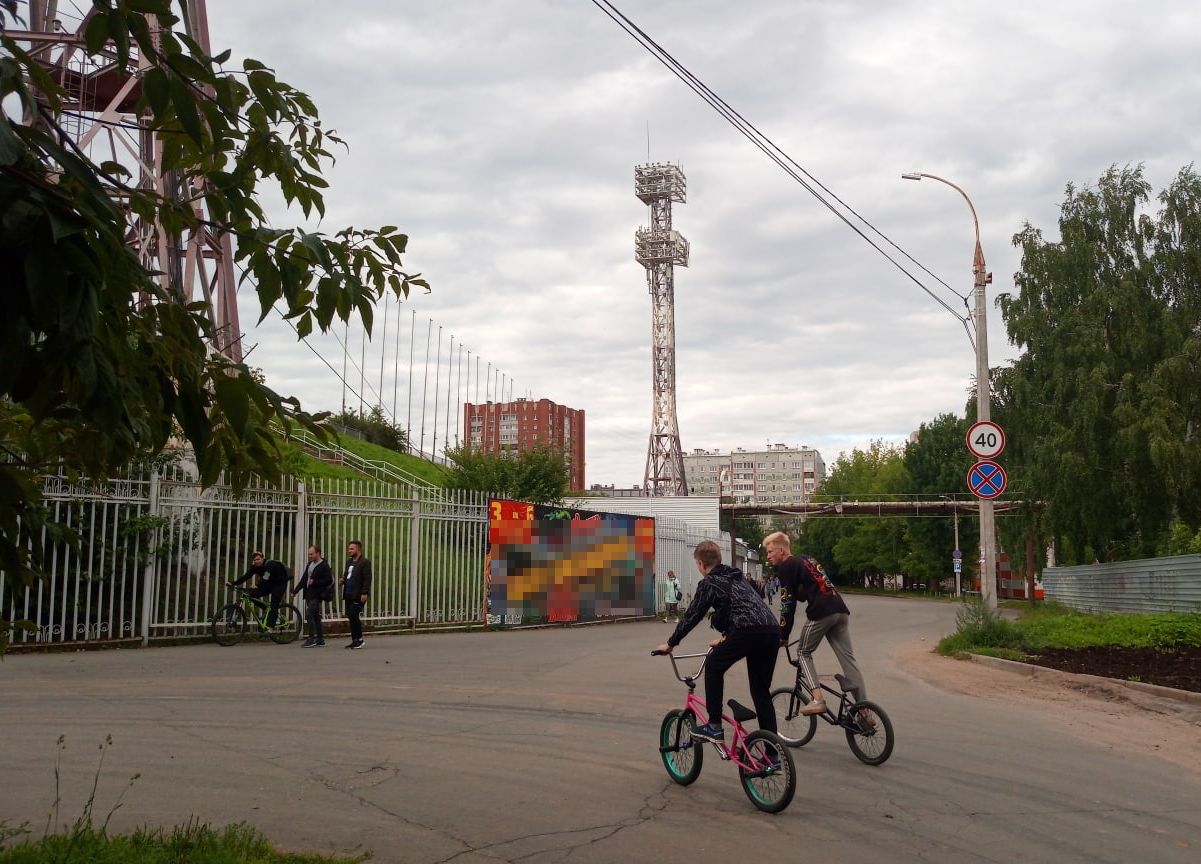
<point>502,136</point>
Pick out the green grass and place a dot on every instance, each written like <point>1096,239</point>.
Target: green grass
<point>300,464</point>
<point>427,471</point>
<point>1053,626</point>
<point>190,844</point>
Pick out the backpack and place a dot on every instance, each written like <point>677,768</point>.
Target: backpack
<point>328,594</point>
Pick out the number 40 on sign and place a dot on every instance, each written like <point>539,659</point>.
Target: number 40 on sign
<point>985,439</point>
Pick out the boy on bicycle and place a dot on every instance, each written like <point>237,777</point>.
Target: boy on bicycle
<point>749,629</point>
<point>827,616</point>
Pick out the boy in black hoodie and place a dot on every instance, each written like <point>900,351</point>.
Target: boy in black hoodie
<point>749,629</point>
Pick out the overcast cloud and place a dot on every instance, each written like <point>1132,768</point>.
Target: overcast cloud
<point>502,136</point>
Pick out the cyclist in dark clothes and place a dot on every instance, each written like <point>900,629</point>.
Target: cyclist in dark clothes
<point>749,629</point>
<point>273,581</point>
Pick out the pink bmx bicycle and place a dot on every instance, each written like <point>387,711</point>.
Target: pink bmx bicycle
<point>764,762</point>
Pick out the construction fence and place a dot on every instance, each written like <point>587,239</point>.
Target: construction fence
<point>155,550</point>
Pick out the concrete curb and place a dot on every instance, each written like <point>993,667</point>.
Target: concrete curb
<point>1095,682</point>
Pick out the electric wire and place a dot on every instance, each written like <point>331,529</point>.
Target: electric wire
<point>777,155</point>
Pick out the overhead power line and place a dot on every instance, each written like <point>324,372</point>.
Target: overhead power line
<point>786,163</point>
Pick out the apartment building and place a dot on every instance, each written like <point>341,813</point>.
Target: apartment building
<point>777,474</point>
<point>522,425</point>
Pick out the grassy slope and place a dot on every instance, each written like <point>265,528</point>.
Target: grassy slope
<point>300,464</point>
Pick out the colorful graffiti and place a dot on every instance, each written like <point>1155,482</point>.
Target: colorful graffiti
<point>549,564</point>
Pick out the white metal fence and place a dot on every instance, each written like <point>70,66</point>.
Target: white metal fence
<point>156,550</point>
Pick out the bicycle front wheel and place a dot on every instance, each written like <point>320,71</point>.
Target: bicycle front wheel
<point>229,624</point>
<point>771,784</point>
<point>681,753</point>
<point>869,732</point>
<point>794,728</point>
<point>287,625</point>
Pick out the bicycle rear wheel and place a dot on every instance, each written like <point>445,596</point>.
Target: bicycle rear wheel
<point>794,728</point>
<point>287,625</point>
<point>681,753</point>
<point>229,624</point>
<point>771,788</point>
<point>869,732</point>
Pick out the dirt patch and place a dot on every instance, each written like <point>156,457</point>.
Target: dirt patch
<point>1114,715</point>
<point>1180,669</point>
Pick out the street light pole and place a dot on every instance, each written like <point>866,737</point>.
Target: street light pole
<point>955,511</point>
<point>988,533</point>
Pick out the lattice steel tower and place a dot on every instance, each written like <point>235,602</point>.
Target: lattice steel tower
<point>658,249</point>
<point>100,115</point>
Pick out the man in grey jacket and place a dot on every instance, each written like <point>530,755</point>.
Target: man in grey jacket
<point>356,587</point>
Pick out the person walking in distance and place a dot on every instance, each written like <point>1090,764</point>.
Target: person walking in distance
<point>356,587</point>
<point>827,617</point>
<point>672,596</point>
<point>317,583</point>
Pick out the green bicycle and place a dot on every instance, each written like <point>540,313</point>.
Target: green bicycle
<point>231,621</point>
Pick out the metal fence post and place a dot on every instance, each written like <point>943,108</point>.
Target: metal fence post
<point>301,549</point>
<point>414,554</point>
<point>151,561</point>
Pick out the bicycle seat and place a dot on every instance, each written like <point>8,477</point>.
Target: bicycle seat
<point>740,712</point>
<point>844,682</point>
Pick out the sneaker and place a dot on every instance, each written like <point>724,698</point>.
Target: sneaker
<point>320,644</point>
<point>818,707</point>
<point>709,732</point>
<point>359,644</point>
<point>309,643</point>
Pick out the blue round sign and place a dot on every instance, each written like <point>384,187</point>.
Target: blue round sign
<point>986,479</point>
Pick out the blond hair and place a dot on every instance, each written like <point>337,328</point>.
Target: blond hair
<point>777,539</point>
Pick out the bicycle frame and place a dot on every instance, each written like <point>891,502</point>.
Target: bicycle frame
<point>844,701</point>
<point>693,703</point>
<point>256,609</point>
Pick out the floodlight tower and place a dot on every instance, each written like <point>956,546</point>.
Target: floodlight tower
<point>658,249</point>
<point>100,115</point>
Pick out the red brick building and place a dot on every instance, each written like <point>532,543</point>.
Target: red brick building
<point>498,427</point>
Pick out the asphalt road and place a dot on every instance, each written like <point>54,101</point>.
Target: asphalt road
<point>540,746</point>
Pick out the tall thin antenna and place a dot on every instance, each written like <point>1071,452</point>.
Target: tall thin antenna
<point>658,249</point>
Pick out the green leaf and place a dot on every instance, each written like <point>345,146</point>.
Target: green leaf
<point>231,396</point>
<point>11,146</point>
<point>96,33</point>
<point>184,100</point>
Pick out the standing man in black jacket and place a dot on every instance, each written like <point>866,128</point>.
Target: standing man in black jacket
<point>317,583</point>
<point>273,580</point>
<point>749,629</point>
<point>356,587</point>
<point>803,578</point>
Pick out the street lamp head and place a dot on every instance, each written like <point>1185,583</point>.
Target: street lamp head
<point>911,175</point>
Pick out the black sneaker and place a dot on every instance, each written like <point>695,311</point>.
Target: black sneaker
<point>320,644</point>
<point>309,643</point>
<point>709,732</point>
<point>359,644</point>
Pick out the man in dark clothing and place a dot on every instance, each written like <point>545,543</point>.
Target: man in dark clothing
<point>802,578</point>
<point>317,583</point>
<point>273,580</point>
<point>749,629</point>
<point>356,587</point>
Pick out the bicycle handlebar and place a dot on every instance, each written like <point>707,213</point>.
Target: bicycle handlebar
<point>686,679</point>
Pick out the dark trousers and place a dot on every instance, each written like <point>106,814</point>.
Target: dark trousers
<point>277,595</point>
<point>312,614</point>
<point>759,647</point>
<point>354,611</point>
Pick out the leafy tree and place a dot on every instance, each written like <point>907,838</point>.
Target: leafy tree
<point>99,364</point>
<point>540,475</point>
<point>1104,396</point>
<point>937,464</point>
<point>868,548</point>
<point>374,427</point>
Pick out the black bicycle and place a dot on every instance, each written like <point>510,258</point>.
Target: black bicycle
<point>867,727</point>
<point>230,623</point>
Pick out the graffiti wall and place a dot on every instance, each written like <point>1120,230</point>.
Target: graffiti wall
<point>548,564</point>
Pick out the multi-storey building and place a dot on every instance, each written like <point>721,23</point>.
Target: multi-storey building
<point>778,474</point>
<point>522,425</point>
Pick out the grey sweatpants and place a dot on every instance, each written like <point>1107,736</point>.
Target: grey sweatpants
<point>836,629</point>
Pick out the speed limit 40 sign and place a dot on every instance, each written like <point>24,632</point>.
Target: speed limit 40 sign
<point>985,439</point>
